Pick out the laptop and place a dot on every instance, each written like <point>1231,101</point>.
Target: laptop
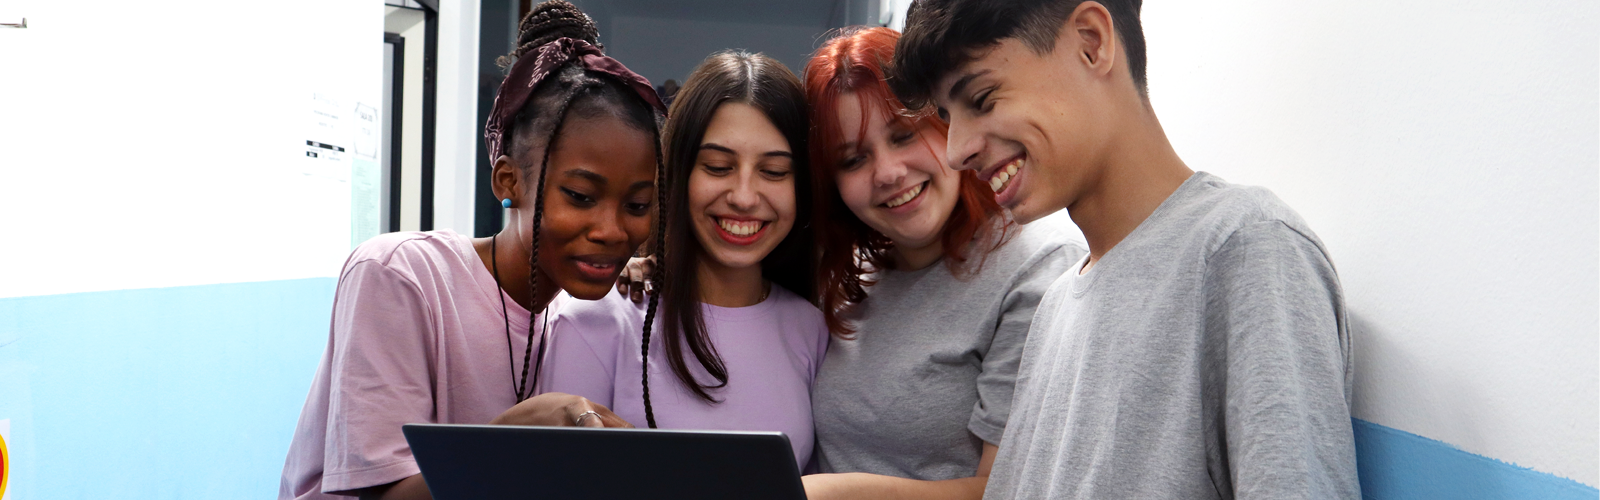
<point>491,462</point>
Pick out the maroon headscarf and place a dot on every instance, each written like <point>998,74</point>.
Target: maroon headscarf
<point>530,69</point>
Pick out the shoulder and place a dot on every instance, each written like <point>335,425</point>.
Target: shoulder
<point>791,309</point>
<point>1036,243</point>
<point>410,253</point>
<point>1033,250</point>
<point>1233,214</point>
<point>613,315</point>
<point>1248,228</point>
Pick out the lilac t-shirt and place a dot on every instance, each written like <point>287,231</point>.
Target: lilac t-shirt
<point>416,336</point>
<point>771,350</point>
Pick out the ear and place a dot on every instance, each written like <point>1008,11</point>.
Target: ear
<point>505,181</point>
<point>1094,37</point>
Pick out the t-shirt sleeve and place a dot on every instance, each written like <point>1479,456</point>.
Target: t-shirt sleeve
<point>998,378</point>
<point>1276,330</point>
<point>583,353</point>
<point>381,377</point>
<point>821,337</point>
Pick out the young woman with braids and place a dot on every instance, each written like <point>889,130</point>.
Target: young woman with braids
<point>437,327</point>
<point>926,282</point>
<point>738,340</point>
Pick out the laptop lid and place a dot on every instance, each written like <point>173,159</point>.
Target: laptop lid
<point>488,462</point>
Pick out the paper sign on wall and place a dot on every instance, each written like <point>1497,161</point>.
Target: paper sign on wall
<point>328,135</point>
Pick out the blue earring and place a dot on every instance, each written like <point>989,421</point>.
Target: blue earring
<point>505,203</point>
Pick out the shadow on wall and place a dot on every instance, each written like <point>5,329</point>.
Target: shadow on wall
<point>1395,464</point>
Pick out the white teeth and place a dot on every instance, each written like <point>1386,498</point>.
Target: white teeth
<point>999,181</point>
<point>739,228</point>
<point>902,199</point>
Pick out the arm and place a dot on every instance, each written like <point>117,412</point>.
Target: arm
<point>379,378</point>
<point>864,486</point>
<point>1277,335</point>
<point>548,409</point>
<point>411,488</point>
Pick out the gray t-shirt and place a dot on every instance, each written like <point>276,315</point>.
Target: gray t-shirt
<point>1207,355</point>
<point>929,375</point>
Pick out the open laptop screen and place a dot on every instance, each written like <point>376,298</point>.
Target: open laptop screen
<point>487,462</point>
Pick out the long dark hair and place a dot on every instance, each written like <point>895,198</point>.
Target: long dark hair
<point>568,91</point>
<point>765,84</point>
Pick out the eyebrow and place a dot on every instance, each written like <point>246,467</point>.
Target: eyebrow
<point>586,174</point>
<point>718,147</point>
<point>591,176</point>
<point>961,84</point>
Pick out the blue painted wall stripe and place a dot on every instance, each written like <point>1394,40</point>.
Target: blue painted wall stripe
<point>193,392</point>
<point>1396,465</point>
<point>176,393</point>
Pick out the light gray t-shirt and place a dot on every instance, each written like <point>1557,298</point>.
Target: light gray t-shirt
<point>929,375</point>
<point>1207,355</point>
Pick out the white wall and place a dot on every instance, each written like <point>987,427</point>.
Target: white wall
<point>661,49</point>
<point>155,144</point>
<point>1446,152</point>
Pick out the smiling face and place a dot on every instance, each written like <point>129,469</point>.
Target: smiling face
<point>598,197</point>
<point>742,188</point>
<point>1029,124</point>
<point>894,179</point>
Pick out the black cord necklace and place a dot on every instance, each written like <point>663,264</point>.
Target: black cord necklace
<point>519,388</point>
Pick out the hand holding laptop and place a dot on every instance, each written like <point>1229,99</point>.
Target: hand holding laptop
<point>560,410</point>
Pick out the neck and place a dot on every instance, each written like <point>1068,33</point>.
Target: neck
<point>511,257</point>
<point>1140,172</point>
<point>724,286</point>
<point>908,258</point>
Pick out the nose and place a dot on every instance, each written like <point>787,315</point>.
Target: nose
<point>963,146</point>
<point>743,197</point>
<point>607,228</point>
<point>888,170</point>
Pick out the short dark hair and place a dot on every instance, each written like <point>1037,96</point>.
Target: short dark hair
<point>941,35</point>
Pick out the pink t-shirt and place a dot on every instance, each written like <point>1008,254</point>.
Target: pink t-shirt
<point>771,350</point>
<point>417,336</point>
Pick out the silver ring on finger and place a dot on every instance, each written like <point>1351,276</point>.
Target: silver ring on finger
<point>578,421</point>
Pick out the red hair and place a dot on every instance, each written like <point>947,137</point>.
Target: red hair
<point>853,63</point>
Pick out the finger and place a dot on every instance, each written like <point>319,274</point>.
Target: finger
<point>607,418</point>
<point>617,422</point>
<point>623,286</point>
<point>578,413</point>
<point>638,293</point>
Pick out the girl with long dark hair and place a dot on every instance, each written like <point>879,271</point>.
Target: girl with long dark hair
<point>437,327</point>
<point>738,340</point>
<point>927,284</point>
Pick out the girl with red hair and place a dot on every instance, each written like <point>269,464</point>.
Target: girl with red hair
<point>926,284</point>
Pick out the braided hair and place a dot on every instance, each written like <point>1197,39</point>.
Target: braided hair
<point>573,91</point>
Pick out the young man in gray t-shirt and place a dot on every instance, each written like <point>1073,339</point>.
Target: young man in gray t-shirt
<point>1201,349</point>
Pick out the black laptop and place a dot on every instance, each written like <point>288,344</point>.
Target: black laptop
<point>492,462</point>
